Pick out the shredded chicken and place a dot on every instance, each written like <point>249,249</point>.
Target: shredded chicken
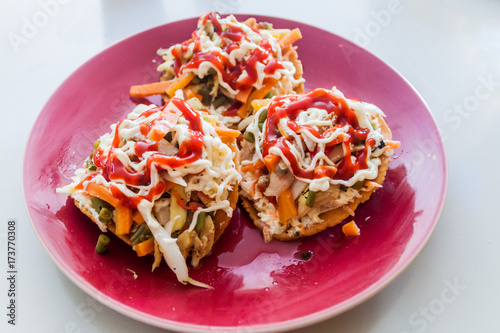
<point>204,243</point>
<point>186,242</point>
<point>278,182</point>
<point>161,210</point>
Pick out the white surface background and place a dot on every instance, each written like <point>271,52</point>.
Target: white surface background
<point>446,49</point>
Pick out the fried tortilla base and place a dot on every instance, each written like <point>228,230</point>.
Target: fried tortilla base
<point>221,219</point>
<point>331,217</point>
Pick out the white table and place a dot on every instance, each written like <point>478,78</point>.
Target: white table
<point>449,50</point>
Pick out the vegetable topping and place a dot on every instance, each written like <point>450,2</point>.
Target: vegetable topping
<point>227,64</point>
<point>146,178</point>
<point>310,153</point>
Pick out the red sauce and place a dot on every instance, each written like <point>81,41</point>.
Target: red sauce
<point>112,168</point>
<point>234,33</point>
<point>142,146</point>
<point>79,186</point>
<point>214,18</point>
<point>257,56</point>
<point>290,107</point>
<point>232,37</point>
<point>233,109</point>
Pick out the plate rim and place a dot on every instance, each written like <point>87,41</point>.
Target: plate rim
<point>280,326</point>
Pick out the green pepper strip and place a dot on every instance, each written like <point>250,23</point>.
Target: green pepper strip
<point>141,233</point>
<point>219,101</point>
<point>263,116</point>
<point>200,223</point>
<point>102,244</point>
<point>249,137</point>
<point>311,197</point>
<point>105,215</point>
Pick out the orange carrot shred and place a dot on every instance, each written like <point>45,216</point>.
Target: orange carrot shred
<point>350,229</point>
<point>144,248</point>
<point>227,132</point>
<point>393,144</point>
<point>137,218</point>
<point>243,95</point>
<point>123,220</point>
<point>180,82</point>
<point>103,193</point>
<point>286,206</point>
<point>290,38</point>
<point>149,89</point>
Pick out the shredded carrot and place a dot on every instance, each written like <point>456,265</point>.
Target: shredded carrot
<point>257,94</point>
<point>180,201</point>
<point>350,229</point>
<point>123,220</point>
<point>253,167</point>
<point>290,38</point>
<point>180,83</point>
<point>286,206</point>
<point>149,89</point>
<point>103,193</point>
<point>137,217</point>
<point>243,95</point>
<point>257,104</point>
<point>271,161</point>
<point>266,88</point>
<point>191,94</point>
<point>227,132</point>
<point>392,144</point>
<point>144,248</point>
<point>242,110</point>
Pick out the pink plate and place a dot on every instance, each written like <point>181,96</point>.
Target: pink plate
<point>258,286</point>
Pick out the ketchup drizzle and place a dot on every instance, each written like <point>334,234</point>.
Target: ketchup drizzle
<point>112,168</point>
<point>231,37</point>
<point>290,107</point>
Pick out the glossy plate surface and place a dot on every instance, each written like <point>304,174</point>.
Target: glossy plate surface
<point>258,286</point>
